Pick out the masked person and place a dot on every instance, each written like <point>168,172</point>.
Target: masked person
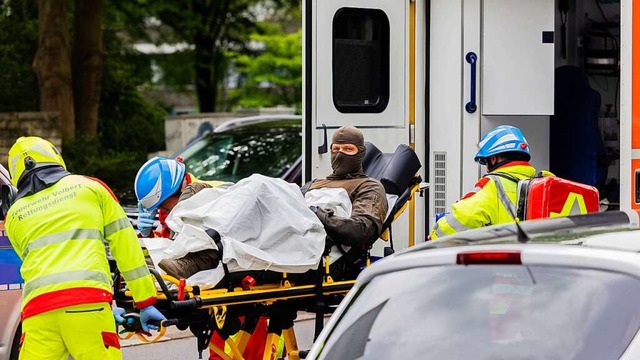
<point>369,202</point>
<point>58,226</point>
<point>505,153</point>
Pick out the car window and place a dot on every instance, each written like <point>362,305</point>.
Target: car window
<point>238,153</point>
<point>489,312</point>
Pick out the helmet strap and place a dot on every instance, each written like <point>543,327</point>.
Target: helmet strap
<point>492,166</point>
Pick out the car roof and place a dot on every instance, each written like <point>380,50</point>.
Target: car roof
<point>608,241</point>
<point>552,230</point>
<point>252,120</point>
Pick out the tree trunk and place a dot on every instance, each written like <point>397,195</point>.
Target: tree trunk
<point>86,64</point>
<point>52,64</point>
<point>219,72</point>
<point>205,86</point>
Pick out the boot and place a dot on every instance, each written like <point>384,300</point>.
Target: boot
<point>190,264</point>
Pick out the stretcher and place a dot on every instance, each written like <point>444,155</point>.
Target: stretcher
<point>233,309</point>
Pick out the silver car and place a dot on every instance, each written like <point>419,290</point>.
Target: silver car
<point>10,286</point>
<point>570,292</point>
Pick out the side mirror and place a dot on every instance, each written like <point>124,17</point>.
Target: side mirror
<point>7,197</point>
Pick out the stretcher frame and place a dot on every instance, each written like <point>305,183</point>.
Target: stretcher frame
<point>220,309</point>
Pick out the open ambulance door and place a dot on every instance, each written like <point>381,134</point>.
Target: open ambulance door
<point>491,62</point>
<point>357,72</point>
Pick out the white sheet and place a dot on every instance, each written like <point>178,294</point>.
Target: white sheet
<point>264,224</point>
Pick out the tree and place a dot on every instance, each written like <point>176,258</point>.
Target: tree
<point>18,45</point>
<point>52,63</point>
<point>86,64</point>
<point>206,25</point>
<point>212,27</point>
<point>273,76</point>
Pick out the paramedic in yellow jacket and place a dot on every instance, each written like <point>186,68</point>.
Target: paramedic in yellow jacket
<point>59,226</point>
<point>505,153</point>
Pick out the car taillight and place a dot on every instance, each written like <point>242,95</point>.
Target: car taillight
<point>489,257</point>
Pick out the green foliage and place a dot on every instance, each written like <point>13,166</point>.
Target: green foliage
<point>116,168</point>
<point>18,45</point>
<point>177,70</point>
<point>272,76</point>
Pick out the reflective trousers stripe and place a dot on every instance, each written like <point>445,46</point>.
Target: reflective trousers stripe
<point>57,238</point>
<point>62,277</point>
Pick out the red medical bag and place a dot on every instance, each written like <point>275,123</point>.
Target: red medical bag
<point>551,196</point>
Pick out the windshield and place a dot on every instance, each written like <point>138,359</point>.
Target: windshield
<point>489,312</point>
<point>268,149</point>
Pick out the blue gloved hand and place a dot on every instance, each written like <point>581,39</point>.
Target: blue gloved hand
<point>117,315</point>
<point>145,220</point>
<point>150,313</point>
<point>440,215</point>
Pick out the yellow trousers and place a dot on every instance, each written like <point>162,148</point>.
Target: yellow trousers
<point>85,331</point>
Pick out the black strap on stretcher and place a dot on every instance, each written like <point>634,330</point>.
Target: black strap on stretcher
<point>215,236</point>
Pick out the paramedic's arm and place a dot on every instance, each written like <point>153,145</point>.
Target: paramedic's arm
<point>368,212</point>
<point>471,212</point>
<point>125,248</point>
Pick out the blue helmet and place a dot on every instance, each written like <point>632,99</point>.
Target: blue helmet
<point>157,180</point>
<point>502,139</point>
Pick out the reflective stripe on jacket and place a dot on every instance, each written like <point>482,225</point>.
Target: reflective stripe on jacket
<point>61,232</point>
<point>485,206</point>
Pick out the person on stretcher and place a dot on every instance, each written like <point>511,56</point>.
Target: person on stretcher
<point>228,209</point>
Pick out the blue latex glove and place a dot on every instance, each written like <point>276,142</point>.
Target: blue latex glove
<point>117,315</point>
<point>145,220</point>
<point>150,313</point>
<point>440,215</point>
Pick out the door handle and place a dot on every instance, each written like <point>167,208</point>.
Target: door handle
<point>324,148</point>
<point>471,106</point>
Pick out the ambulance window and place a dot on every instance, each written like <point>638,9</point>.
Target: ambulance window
<point>360,60</point>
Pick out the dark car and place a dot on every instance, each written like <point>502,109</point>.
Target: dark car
<point>267,145</point>
<point>270,145</point>
<point>570,292</point>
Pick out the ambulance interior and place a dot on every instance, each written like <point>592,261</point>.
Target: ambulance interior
<point>578,136</point>
<point>585,128</point>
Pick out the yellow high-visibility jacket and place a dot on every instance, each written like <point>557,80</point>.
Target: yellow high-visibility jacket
<point>484,206</point>
<point>60,233</point>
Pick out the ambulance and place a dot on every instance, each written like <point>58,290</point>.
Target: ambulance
<point>438,74</point>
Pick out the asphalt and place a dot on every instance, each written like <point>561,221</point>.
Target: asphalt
<point>171,333</point>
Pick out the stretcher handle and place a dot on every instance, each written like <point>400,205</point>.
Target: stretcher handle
<point>193,303</point>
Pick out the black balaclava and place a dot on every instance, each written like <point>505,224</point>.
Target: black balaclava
<point>347,166</point>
